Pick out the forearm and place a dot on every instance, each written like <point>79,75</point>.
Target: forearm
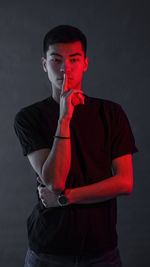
<point>57,165</point>
<point>98,192</point>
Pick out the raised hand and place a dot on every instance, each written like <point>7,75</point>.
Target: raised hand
<point>69,99</point>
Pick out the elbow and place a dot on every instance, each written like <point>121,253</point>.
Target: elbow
<point>130,185</point>
<point>57,189</point>
<point>128,188</point>
<point>52,186</point>
<point>126,184</point>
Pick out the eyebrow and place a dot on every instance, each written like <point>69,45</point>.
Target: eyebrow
<point>56,54</point>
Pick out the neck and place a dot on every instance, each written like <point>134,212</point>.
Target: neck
<point>56,96</point>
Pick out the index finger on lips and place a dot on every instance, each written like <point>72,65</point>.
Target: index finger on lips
<point>65,83</point>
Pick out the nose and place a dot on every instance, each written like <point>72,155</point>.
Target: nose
<point>65,67</point>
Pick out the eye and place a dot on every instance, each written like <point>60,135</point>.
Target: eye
<point>74,60</point>
<point>56,59</point>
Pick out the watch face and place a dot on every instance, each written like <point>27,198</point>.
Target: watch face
<point>62,200</point>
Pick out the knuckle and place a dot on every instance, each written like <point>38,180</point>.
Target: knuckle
<point>41,193</point>
<point>42,190</point>
<point>40,196</point>
<point>44,203</point>
<point>38,188</point>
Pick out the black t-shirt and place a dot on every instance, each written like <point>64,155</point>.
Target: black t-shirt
<point>100,132</point>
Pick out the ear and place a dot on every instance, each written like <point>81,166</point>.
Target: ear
<point>86,62</point>
<point>43,60</point>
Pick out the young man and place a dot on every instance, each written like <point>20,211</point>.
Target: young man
<point>81,150</point>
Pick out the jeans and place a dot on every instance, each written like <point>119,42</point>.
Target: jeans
<point>111,259</point>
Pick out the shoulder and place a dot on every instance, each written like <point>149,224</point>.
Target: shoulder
<point>32,110</point>
<point>110,112</point>
<point>106,105</point>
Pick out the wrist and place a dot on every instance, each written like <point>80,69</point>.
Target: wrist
<point>63,128</point>
<point>62,199</point>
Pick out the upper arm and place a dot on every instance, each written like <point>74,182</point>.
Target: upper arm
<point>37,159</point>
<point>123,167</point>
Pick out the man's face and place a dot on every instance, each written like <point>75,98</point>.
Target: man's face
<point>65,58</point>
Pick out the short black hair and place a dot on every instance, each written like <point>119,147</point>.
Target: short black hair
<point>64,34</point>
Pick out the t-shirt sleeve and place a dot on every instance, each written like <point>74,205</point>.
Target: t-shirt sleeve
<point>28,130</point>
<point>123,141</point>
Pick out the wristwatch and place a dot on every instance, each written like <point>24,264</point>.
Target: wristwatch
<point>62,199</point>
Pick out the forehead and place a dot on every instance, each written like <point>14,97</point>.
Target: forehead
<point>66,49</point>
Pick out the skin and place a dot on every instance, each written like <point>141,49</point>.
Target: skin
<point>64,63</point>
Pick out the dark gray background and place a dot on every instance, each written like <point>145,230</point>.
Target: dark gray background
<point>118,50</point>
